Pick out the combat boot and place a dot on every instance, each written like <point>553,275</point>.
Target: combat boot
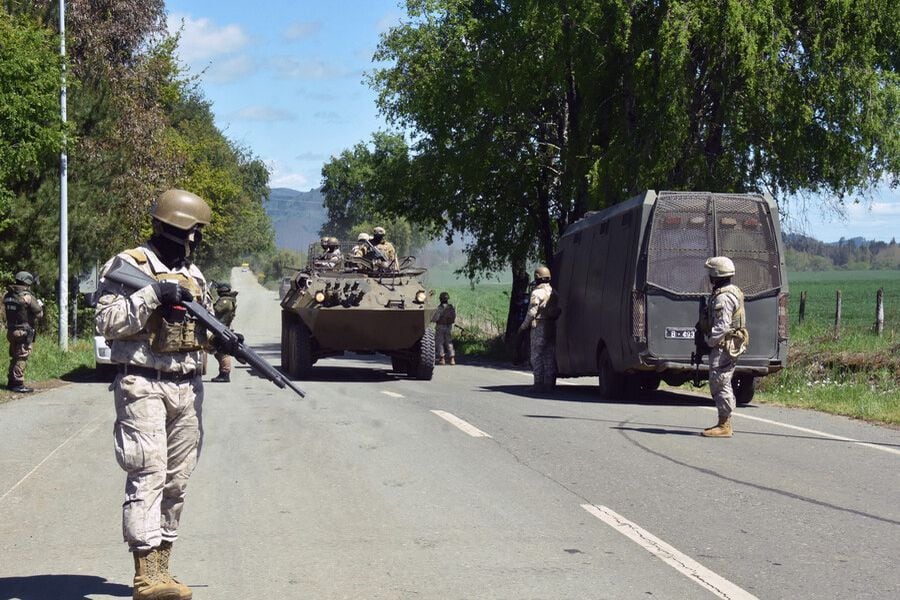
<point>222,378</point>
<point>439,361</point>
<point>452,360</point>
<point>722,429</point>
<point>148,583</point>
<point>20,388</point>
<point>165,553</point>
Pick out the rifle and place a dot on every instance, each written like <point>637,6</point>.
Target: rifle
<point>700,347</point>
<point>463,329</point>
<point>378,253</point>
<point>133,279</point>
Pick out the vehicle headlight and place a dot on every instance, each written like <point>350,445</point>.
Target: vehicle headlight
<point>420,296</point>
<point>320,297</point>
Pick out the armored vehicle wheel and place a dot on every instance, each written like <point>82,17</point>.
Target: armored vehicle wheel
<point>612,384</point>
<point>422,364</point>
<point>744,386</point>
<point>296,354</point>
<point>650,383</point>
<point>399,365</point>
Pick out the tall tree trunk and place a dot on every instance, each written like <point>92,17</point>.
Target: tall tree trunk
<point>517,293</point>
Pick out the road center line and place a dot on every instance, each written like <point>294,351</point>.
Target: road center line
<point>683,563</point>
<point>46,458</point>
<point>392,394</point>
<point>460,424</point>
<point>812,431</point>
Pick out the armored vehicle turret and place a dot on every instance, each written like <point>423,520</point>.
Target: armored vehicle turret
<point>351,298</point>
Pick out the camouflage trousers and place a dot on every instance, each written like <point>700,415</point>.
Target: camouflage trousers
<point>721,371</point>
<point>19,351</point>
<point>157,436</point>
<point>443,341</point>
<point>224,362</point>
<point>543,353</point>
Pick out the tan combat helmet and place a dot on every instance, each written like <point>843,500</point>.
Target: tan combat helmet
<point>720,266</point>
<point>181,209</point>
<point>542,273</point>
<point>324,242</point>
<point>379,231</point>
<point>333,242</point>
<point>363,237</point>
<point>24,278</point>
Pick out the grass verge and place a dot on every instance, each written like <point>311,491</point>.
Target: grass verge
<point>48,366</point>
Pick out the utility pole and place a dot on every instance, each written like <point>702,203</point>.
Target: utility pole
<point>63,196</point>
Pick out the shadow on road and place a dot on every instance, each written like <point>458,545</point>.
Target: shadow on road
<point>374,369</point>
<point>59,587</point>
<point>588,393</point>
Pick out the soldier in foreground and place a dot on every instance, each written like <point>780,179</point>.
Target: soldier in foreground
<point>224,310</point>
<point>158,392</point>
<point>444,317</point>
<point>725,331</point>
<point>541,318</point>
<point>23,309</point>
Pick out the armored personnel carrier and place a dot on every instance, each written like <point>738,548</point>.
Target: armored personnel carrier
<point>355,300</point>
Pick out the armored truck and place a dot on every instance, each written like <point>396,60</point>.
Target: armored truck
<point>355,300</point>
<point>631,279</point>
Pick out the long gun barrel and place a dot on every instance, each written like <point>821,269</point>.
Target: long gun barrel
<point>132,279</point>
<point>700,347</point>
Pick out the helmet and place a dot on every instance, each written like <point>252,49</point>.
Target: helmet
<point>333,242</point>
<point>444,297</point>
<point>181,209</point>
<point>379,231</point>
<point>720,266</point>
<point>24,278</point>
<point>362,237</point>
<point>223,288</point>
<point>541,272</point>
<point>324,241</point>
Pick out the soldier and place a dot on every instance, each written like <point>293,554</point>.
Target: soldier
<point>725,331</point>
<point>444,317</point>
<point>224,309</point>
<point>23,309</point>
<point>541,318</point>
<point>385,246</point>
<point>158,392</point>
<point>331,254</point>
<point>361,249</point>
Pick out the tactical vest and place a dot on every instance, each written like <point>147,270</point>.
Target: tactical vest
<point>737,339</point>
<point>447,316</point>
<point>224,308</point>
<point>169,335</point>
<point>16,304</point>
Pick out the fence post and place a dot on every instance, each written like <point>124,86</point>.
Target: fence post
<point>837,315</point>
<point>879,312</point>
<point>802,314</point>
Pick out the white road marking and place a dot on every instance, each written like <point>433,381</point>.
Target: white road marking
<point>687,566</point>
<point>812,431</point>
<point>392,394</point>
<point>46,458</point>
<point>460,424</point>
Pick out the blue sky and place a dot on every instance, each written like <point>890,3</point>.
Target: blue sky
<point>285,79</point>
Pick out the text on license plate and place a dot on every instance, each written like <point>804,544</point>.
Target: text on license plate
<point>679,333</point>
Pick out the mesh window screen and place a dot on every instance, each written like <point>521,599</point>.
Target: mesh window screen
<point>689,227</point>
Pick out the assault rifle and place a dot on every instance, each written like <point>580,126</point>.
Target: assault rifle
<point>133,279</point>
<point>700,347</point>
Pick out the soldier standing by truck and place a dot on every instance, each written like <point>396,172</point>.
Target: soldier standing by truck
<point>725,330</point>
<point>543,310</point>
<point>23,309</point>
<point>444,317</point>
<point>224,309</point>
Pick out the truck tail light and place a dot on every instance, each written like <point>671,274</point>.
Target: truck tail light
<point>783,320</point>
<point>639,316</point>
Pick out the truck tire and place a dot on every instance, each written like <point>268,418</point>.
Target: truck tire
<point>421,366</point>
<point>611,383</point>
<point>744,386</point>
<point>298,359</point>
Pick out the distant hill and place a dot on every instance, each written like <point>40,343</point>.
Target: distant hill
<point>296,217</point>
<point>806,253</point>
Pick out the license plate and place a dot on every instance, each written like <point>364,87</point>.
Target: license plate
<point>680,333</point>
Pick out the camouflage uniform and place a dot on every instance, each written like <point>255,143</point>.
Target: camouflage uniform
<point>444,317</point>
<point>543,337</point>
<point>23,310</point>
<point>725,314</point>
<point>224,309</point>
<point>158,417</point>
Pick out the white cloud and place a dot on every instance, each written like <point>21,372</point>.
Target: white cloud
<point>281,175</point>
<point>230,69</point>
<point>201,39</point>
<point>262,113</point>
<point>301,30</point>
<point>293,68</point>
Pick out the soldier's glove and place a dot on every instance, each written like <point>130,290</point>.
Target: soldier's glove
<point>170,293</point>
<point>228,345</point>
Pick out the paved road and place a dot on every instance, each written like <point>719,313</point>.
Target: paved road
<point>377,487</point>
